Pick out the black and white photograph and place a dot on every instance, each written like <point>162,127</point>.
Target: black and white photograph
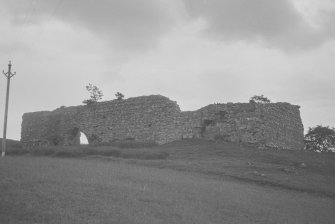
<point>167,111</point>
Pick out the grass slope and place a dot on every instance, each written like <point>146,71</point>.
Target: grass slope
<point>65,190</point>
<point>297,180</point>
<point>302,171</point>
<point>12,145</point>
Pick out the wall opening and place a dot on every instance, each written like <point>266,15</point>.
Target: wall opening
<point>83,138</point>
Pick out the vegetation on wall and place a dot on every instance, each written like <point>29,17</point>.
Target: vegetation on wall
<point>259,99</point>
<point>95,94</point>
<point>119,96</point>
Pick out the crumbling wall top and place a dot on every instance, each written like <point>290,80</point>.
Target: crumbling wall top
<point>157,118</point>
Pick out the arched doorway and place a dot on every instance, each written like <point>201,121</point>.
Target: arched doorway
<point>83,138</point>
<point>76,137</point>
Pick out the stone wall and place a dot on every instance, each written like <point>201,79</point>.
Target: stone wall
<point>276,125</point>
<point>151,118</point>
<point>157,118</point>
<point>283,126</point>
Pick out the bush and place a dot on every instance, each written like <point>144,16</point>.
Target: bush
<point>95,94</point>
<point>320,139</point>
<point>119,96</point>
<point>259,99</point>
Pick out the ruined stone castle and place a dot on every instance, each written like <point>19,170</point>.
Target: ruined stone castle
<point>157,119</point>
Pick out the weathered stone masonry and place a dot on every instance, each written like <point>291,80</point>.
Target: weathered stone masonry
<point>157,118</point>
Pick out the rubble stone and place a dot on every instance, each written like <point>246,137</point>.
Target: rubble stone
<point>157,118</point>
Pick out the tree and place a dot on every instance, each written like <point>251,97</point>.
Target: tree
<point>259,99</point>
<point>119,96</point>
<point>320,139</point>
<point>95,94</point>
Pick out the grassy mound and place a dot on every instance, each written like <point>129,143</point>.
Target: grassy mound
<point>131,152</point>
<point>302,171</point>
<point>13,147</point>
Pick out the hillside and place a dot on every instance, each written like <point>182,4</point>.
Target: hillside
<point>300,171</point>
<point>182,182</point>
<point>11,144</point>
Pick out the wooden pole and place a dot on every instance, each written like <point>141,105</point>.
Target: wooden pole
<point>8,75</point>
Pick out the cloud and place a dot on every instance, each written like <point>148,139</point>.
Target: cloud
<point>275,23</point>
<point>128,24</point>
<point>136,25</point>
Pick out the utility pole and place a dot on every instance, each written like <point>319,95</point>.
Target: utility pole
<point>8,75</point>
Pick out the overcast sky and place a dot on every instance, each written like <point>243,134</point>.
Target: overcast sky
<point>195,52</point>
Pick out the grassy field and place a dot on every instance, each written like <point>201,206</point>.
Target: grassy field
<point>181,182</point>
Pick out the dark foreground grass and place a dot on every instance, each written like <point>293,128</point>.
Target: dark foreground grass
<point>127,149</point>
<point>180,182</point>
<point>300,171</point>
<point>294,170</point>
<point>13,146</point>
<point>82,151</point>
<point>36,189</point>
